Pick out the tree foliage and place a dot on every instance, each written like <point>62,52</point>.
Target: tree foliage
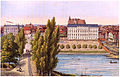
<point>90,46</point>
<point>100,47</point>
<point>9,49</point>
<point>84,46</point>
<point>67,46</point>
<point>20,41</point>
<point>73,46</point>
<point>94,46</point>
<point>62,46</point>
<point>45,48</point>
<point>79,46</point>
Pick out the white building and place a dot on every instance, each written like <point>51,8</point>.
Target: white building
<point>82,31</point>
<point>11,29</point>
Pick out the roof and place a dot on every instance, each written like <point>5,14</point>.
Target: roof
<point>82,25</point>
<point>10,25</point>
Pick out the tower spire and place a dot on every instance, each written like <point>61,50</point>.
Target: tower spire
<point>69,18</point>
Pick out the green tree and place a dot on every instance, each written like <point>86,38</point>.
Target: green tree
<point>67,46</point>
<point>84,46</point>
<point>73,46</point>
<point>45,48</point>
<point>51,39</point>
<point>100,47</point>
<point>94,46</point>
<point>20,41</point>
<point>9,51</point>
<point>36,49</point>
<point>90,46</point>
<point>79,46</point>
<point>62,46</point>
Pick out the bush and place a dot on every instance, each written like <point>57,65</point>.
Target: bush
<point>73,46</point>
<point>84,46</point>
<point>67,46</point>
<point>90,46</point>
<point>100,47</point>
<point>79,46</point>
<point>62,46</point>
<point>94,46</point>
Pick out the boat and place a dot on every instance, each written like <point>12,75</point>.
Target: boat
<point>113,62</point>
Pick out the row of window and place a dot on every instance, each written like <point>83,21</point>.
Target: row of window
<point>82,38</point>
<point>82,31</point>
<point>10,29</point>
<point>82,34</point>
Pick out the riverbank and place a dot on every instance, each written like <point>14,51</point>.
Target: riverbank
<point>84,52</point>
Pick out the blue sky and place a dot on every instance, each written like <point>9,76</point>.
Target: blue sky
<point>38,12</point>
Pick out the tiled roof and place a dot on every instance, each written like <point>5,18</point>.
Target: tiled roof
<point>84,25</point>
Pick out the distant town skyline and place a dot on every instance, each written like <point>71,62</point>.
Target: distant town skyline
<point>38,12</point>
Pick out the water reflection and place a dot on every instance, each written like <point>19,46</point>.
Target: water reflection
<point>87,64</point>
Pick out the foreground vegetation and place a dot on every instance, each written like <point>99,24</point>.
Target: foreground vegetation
<point>83,51</point>
<point>12,48</point>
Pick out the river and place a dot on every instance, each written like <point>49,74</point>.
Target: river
<point>87,65</point>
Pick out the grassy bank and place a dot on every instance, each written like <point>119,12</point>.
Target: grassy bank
<point>83,52</point>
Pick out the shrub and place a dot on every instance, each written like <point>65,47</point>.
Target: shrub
<point>79,46</point>
<point>94,46</point>
<point>100,47</point>
<point>84,46</point>
<point>67,46</point>
<point>73,46</point>
<point>62,46</point>
<point>90,46</point>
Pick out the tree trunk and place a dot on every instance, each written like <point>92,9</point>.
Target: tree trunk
<point>48,72</point>
<point>2,65</point>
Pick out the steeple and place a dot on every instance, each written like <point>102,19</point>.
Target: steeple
<point>69,18</point>
<point>30,23</point>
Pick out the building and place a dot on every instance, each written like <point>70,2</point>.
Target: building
<point>82,31</point>
<point>42,29</point>
<point>109,32</point>
<point>11,29</point>
<point>76,21</point>
<point>29,28</point>
<point>63,31</point>
<point>1,30</point>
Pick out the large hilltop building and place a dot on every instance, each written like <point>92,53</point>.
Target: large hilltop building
<point>79,30</point>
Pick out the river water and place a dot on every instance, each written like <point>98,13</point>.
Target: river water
<point>87,65</point>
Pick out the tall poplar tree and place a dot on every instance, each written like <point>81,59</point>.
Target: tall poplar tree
<point>45,48</point>
<point>51,38</point>
<point>20,41</point>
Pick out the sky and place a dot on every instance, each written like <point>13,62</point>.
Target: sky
<point>38,12</point>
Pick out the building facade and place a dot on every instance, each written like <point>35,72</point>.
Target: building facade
<point>77,29</point>
<point>82,31</point>
<point>11,29</point>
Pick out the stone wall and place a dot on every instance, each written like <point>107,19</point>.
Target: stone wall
<point>65,42</point>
